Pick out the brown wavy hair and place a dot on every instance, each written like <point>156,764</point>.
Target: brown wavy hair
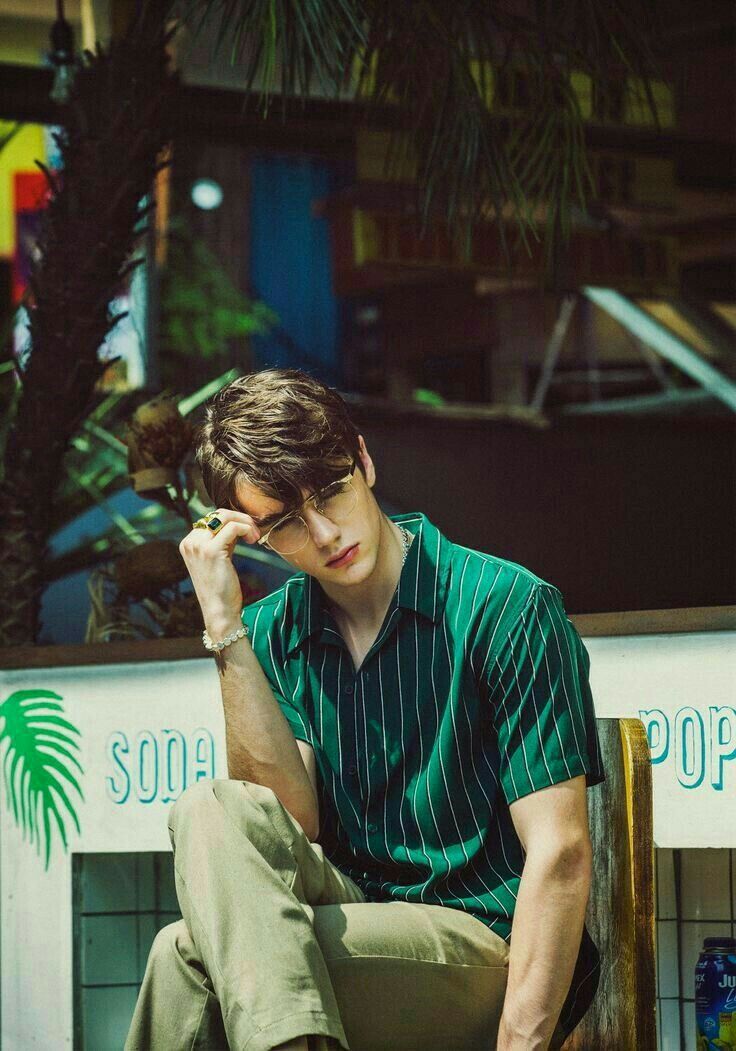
<point>280,430</point>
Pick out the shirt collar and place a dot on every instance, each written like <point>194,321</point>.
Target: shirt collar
<point>422,585</point>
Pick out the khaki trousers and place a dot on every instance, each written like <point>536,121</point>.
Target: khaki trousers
<point>276,942</point>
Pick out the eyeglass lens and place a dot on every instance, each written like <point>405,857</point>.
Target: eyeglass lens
<point>335,502</point>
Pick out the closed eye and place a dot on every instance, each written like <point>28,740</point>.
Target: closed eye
<point>281,521</point>
<point>328,491</point>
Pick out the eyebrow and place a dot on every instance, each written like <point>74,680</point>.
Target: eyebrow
<point>269,518</point>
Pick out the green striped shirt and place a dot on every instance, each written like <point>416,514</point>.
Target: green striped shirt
<point>474,694</point>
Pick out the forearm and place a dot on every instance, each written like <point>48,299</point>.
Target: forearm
<point>259,742</point>
<point>547,929</point>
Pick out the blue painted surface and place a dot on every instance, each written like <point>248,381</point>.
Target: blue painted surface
<point>291,263</point>
<point>65,603</point>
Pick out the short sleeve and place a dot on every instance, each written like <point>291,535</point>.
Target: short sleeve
<point>258,621</point>
<point>543,708</point>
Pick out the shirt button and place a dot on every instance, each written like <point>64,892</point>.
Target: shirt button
<point>372,828</point>
<point>349,689</point>
<point>352,769</point>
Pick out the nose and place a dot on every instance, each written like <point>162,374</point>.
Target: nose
<point>323,531</point>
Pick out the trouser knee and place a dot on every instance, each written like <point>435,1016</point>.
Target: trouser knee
<point>168,944</point>
<point>193,804</point>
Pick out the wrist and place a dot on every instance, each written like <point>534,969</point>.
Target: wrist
<point>522,1034</point>
<point>217,645</point>
<point>219,627</point>
<point>219,620</point>
<point>510,1040</point>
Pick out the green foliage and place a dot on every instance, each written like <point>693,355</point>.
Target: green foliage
<point>38,743</point>
<point>435,64</point>
<point>427,397</point>
<point>201,308</point>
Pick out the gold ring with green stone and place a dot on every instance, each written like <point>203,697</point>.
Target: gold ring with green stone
<point>210,521</point>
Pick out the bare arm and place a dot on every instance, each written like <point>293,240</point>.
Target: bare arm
<point>552,825</point>
<point>260,744</point>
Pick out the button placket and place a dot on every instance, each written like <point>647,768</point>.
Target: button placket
<point>369,756</point>
<point>349,689</point>
<point>354,769</point>
<point>349,724</point>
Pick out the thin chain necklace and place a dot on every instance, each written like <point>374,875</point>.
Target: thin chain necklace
<point>406,539</point>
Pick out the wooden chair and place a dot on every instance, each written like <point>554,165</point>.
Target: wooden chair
<point>620,916</point>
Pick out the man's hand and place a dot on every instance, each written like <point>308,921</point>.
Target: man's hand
<point>208,558</point>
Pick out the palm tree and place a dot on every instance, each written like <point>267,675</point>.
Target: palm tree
<point>440,71</point>
<point>115,126</point>
<point>431,66</point>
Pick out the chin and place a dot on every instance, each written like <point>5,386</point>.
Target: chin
<point>364,566</point>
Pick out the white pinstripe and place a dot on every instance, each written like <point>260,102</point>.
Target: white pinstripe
<point>476,854</point>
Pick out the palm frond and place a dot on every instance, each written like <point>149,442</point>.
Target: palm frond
<point>284,45</point>
<point>39,744</point>
<point>8,130</point>
<point>429,61</point>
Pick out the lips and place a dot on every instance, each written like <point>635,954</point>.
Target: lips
<point>341,554</point>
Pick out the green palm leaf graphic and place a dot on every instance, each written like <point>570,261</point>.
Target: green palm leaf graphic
<point>39,765</point>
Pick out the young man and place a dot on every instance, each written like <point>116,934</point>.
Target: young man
<point>400,858</point>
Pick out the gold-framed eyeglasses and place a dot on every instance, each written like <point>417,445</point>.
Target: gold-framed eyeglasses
<point>335,501</point>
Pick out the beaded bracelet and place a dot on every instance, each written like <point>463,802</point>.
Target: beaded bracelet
<point>240,633</point>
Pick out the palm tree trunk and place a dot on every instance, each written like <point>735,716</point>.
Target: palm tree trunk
<point>115,126</point>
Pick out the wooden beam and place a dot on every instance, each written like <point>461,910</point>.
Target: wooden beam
<point>637,622</point>
<point>327,127</point>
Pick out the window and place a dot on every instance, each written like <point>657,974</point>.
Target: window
<point>120,901</point>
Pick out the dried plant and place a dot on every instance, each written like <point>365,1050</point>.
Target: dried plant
<point>158,440</point>
<point>148,569</point>
<point>139,596</point>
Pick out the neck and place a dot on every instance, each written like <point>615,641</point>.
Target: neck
<point>365,605</point>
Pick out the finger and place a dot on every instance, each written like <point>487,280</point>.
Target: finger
<point>200,540</point>
<point>226,514</point>
<point>231,532</point>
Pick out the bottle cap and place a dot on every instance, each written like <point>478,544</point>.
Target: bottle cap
<point>725,942</point>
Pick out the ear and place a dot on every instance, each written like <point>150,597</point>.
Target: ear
<point>368,467</point>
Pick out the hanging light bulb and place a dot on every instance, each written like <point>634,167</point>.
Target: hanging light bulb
<point>62,56</point>
<point>207,194</point>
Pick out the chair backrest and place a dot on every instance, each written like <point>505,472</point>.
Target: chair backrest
<point>620,916</point>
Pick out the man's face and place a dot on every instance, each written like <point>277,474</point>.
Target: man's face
<point>327,540</point>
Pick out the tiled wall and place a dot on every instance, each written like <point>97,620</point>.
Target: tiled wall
<point>696,898</point>
<point>120,901</point>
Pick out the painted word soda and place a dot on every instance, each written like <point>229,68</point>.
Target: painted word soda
<point>157,767</point>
